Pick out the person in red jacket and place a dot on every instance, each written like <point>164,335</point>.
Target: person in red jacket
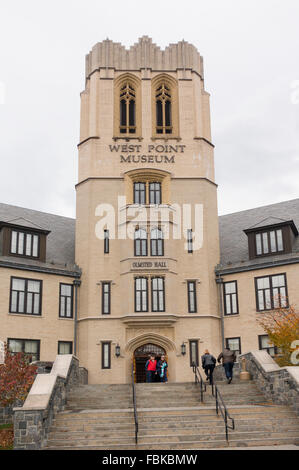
<point>151,369</point>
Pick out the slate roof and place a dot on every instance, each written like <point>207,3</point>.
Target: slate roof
<point>234,242</point>
<point>60,241</point>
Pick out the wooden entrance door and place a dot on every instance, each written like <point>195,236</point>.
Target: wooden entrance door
<point>141,355</point>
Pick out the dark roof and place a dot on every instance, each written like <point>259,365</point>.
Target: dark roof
<point>60,241</point>
<point>234,242</point>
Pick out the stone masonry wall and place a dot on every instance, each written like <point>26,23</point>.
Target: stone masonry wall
<point>278,385</point>
<point>31,425</point>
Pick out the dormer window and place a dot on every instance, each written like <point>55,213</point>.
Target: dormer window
<point>271,239</point>
<point>268,242</point>
<point>23,241</point>
<point>24,244</point>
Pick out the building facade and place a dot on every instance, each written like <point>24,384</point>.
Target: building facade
<point>148,266</point>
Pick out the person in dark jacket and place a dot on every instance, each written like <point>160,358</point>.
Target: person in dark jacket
<point>228,359</point>
<point>208,364</point>
<point>151,369</point>
<point>162,369</point>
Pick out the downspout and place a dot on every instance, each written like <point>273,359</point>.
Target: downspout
<point>76,283</point>
<point>219,282</point>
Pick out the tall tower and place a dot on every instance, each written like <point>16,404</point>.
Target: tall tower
<point>147,225</point>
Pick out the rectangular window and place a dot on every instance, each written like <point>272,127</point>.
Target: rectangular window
<point>31,347</point>
<point>106,241</point>
<point>25,296</point>
<point>24,244</point>
<point>192,304</point>
<point>158,294</point>
<point>139,193</point>
<point>193,348</point>
<point>234,344</point>
<point>65,347</point>
<point>155,193</point>
<point>230,298</point>
<point>268,242</point>
<point>190,240</point>
<point>141,294</point>
<point>265,345</point>
<point>271,292</point>
<point>106,355</point>
<point>106,288</point>
<point>66,300</point>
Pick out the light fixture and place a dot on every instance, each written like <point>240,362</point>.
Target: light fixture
<point>183,349</point>
<point>117,350</point>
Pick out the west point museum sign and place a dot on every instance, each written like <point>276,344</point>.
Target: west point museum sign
<point>137,153</point>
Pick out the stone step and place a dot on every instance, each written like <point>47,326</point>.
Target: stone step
<point>194,439</point>
<point>98,432</point>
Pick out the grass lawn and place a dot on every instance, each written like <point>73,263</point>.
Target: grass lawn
<point>6,436</point>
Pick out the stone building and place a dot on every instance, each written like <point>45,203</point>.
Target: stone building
<point>147,266</point>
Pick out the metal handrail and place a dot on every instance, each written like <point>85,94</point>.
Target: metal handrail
<point>199,380</point>
<point>134,404</point>
<point>220,405</point>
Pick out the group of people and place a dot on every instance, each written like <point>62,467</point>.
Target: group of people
<point>208,362</point>
<point>156,369</point>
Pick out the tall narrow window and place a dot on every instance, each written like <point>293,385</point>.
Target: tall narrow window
<point>25,296</point>
<point>157,242</point>
<point>139,193</point>
<point>106,241</point>
<point>192,305</point>
<point>141,294</point>
<point>190,240</point>
<point>106,355</point>
<point>163,110</point>
<point>230,298</point>
<point>106,300</point>
<point>193,349</point>
<point>140,242</point>
<point>155,193</point>
<point>66,301</point>
<point>127,109</point>
<point>158,294</point>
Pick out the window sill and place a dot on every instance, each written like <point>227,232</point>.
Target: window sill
<point>127,138</point>
<point>232,315</point>
<point>166,137</point>
<point>25,315</point>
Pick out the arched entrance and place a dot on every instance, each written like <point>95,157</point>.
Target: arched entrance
<point>141,355</point>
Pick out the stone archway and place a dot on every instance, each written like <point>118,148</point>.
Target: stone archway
<point>158,341</point>
<point>141,355</point>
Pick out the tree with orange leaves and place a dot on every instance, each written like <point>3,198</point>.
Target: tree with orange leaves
<point>282,328</point>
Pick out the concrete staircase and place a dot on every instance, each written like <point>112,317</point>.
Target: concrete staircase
<point>170,417</point>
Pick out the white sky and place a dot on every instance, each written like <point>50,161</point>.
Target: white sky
<point>251,57</point>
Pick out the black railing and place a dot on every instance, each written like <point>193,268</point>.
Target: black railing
<point>220,406</point>
<point>134,404</point>
<point>198,380</point>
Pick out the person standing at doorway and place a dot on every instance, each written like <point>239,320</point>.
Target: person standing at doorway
<point>151,369</point>
<point>208,364</point>
<point>162,369</point>
<point>228,359</point>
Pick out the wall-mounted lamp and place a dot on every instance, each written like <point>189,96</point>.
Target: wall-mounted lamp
<point>117,350</point>
<point>183,349</point>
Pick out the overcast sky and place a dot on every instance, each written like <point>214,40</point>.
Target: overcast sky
<point>251,57</point>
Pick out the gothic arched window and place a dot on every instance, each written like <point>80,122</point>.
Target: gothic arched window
<point>157,242</point>
<point>140,242</point>
<point>127,121</point>
<point>163,110</point>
